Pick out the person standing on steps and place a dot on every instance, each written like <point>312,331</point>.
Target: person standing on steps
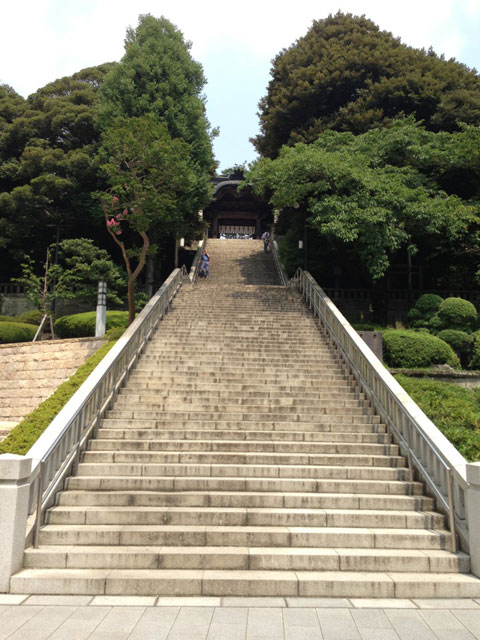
<point>204,265</point>
<point>266,241</point>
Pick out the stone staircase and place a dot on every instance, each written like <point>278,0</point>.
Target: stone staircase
<point>241,458</point>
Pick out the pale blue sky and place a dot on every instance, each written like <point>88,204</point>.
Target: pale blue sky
<point>41,40</point>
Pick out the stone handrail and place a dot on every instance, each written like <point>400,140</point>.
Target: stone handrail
<point>439,465</point>
<point>281,272</point>
<point>29,483</point>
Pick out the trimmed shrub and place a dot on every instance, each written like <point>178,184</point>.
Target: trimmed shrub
<point>16,332</point>
<point>428,304</point>
<point>460,341</point>
<point>434,324</point>
<point>30,317</point>
<point>457,313</point>
<point>475,358</point>
<point>27,432</point>
<point>7,319</point>
<point>425,307</point>
<point>411,349</point>
<point>81,325</point>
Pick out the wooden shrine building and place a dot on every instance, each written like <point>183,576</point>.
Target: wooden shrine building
<point>231,213</point>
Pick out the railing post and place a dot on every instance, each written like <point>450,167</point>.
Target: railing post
<point>473,515</point>
<point>14,496</point>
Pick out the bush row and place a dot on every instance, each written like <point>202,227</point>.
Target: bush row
<point>82,325</point>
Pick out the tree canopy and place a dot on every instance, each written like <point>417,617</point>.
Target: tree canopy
<point>391,189</point>
<point>348,75</point>
<point>48,168</point>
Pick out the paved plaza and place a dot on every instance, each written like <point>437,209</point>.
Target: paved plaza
<point>38,617</point>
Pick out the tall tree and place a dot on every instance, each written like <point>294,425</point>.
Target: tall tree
<point>378,194</point>
<point>348,75</point>
<point>158,76</point>
<point>148,172</point>
<point>48,168</point>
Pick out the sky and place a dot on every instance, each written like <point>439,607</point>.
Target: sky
<point>42,40</point>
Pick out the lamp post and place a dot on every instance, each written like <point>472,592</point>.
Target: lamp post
<point>101,319</point>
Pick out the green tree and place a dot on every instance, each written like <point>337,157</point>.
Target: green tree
<point>376,194</point>
<point>348,75</point>
<point>148,172</point>
<point>48,167</point>
<point>80,265</point>
<point>158,76</point>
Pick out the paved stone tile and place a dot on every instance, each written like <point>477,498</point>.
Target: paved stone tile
<point>382,603</point>
<point>191,622</point>
<point>337,625</point>
<point>303,633</point>
<point>233,601</point>
<point>446,603</point>
<point>341,603</point>
<point>43,624</point>
<point>409,625</point>
<point>470,619</point>
<point>453,634</point>
<point>16,617</point>
<point>370,619</point>
<point>12,598</point>
<point>201,601</point>
<point>379,634</point>
<point>123,601</point>
<point>81,624</point>
<point>71,601</point>
<point>439,619</point>
<point>265,624</point>
<point>223,631</point>
<point>117,624</point>
<point>155,624</point>
<point>230,615</point>
<point>300,618</point>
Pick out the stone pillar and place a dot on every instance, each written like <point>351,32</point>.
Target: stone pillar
<point>14,492</point>
<point>101,320</point>
<point>473,515</point>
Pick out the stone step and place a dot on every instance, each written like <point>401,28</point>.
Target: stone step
<point>244,536</point>
<point>391,486</point>
<point>241,446</point>
<point>232,405</point>
<point>144,435</point>
<point>323,423</point>
<point>238,517</point>
<point>243,558</point>
<point>280,414</point>
<point>257,499</point>
<point>172,582</point>
<point>252,459</point>
<point>273,471</point>
<point>198,387</point>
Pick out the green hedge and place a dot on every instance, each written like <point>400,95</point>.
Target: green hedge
<point>16,332</point>
<point>7,319</point>
<point>455,411</point>
<point>81,325</point>
<point>411,349</point>
<point>424,309</point>
<point>30,317</point>
<point>27,432</point>
<point>457,313</point>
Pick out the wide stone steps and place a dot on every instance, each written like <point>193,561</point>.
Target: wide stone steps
<point>274,500</point>
<point>113,431</point>
<point>243,558</point>
<point>390,486</point>
<point>238,516</point>
<point>174,582</point>
<point>105,445</point>
<point>242,458</point>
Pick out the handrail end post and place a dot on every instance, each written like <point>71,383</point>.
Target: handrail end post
<point>473,515</point>
<point>15,472</point>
